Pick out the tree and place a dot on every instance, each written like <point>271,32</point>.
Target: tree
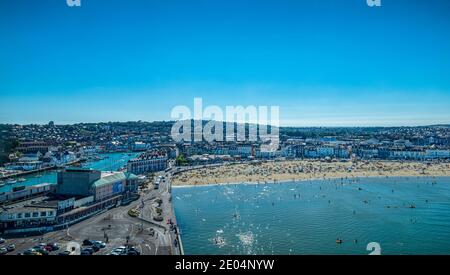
<point>181,160</point>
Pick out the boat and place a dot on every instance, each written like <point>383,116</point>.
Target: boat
<point>2,184</point>
<point>339,241</point>
<point>10,181</point>
<point>18,188</point>
<point>21,180</point>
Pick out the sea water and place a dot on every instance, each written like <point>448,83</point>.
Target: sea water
<point>402,215</point>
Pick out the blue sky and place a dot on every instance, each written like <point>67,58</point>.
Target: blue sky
<point>324,62</point>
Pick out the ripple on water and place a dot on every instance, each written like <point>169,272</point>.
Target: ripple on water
<point>272,221</point>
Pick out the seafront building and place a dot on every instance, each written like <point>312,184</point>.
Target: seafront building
<point>148,162</point>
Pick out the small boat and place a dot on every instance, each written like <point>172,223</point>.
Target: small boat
<point>339,241</point>
<point>2,184</point>
<point>21,180</point>
<point>18,188</point>
<point>10,181</point>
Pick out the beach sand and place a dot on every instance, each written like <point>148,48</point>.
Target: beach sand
<point>296,170</point>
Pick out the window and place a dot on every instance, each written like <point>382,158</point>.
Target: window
<point>27,215</point>
<point>19,215</point>
<point>43,214</point>
<point>35,214</point>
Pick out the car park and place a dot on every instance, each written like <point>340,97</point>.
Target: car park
<point>11,247</point>
<point>3,251</point>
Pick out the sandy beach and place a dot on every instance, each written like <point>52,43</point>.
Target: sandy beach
<point>276,171</point>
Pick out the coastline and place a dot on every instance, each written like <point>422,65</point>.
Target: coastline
<point>273,172</point>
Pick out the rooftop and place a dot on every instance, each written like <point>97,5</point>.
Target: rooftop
<point>36,204</point>
<point>108,178</point>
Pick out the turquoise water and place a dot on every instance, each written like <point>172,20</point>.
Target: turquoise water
<point>308,217</point>
<point>111,162</point>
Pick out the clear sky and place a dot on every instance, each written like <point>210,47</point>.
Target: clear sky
<point>324,62</point>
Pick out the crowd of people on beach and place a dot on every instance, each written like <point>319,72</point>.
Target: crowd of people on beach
<point>274,171</point>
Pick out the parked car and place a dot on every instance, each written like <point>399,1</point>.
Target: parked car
<point>3,251</point>
<point>64,253</point>
<point>90,249</point>
<point>95,248</point>
<point>133,252</point>
<point>40,249</point>
<point>40,246</point>
<point>31,251</point>
<point>99,244</point>
<point>88,242</point>
<point>2,241</point>
<point>11,247</point>
<point>52,247</point>
<point>122,250</point>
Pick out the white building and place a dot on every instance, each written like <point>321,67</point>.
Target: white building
<point>413,155</point>
<point>147,163</point>
<point>325,151</point>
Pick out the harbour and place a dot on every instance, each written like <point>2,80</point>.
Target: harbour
<point>106,162</point>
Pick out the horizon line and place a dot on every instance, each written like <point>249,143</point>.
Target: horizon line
<point>281,126</point>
